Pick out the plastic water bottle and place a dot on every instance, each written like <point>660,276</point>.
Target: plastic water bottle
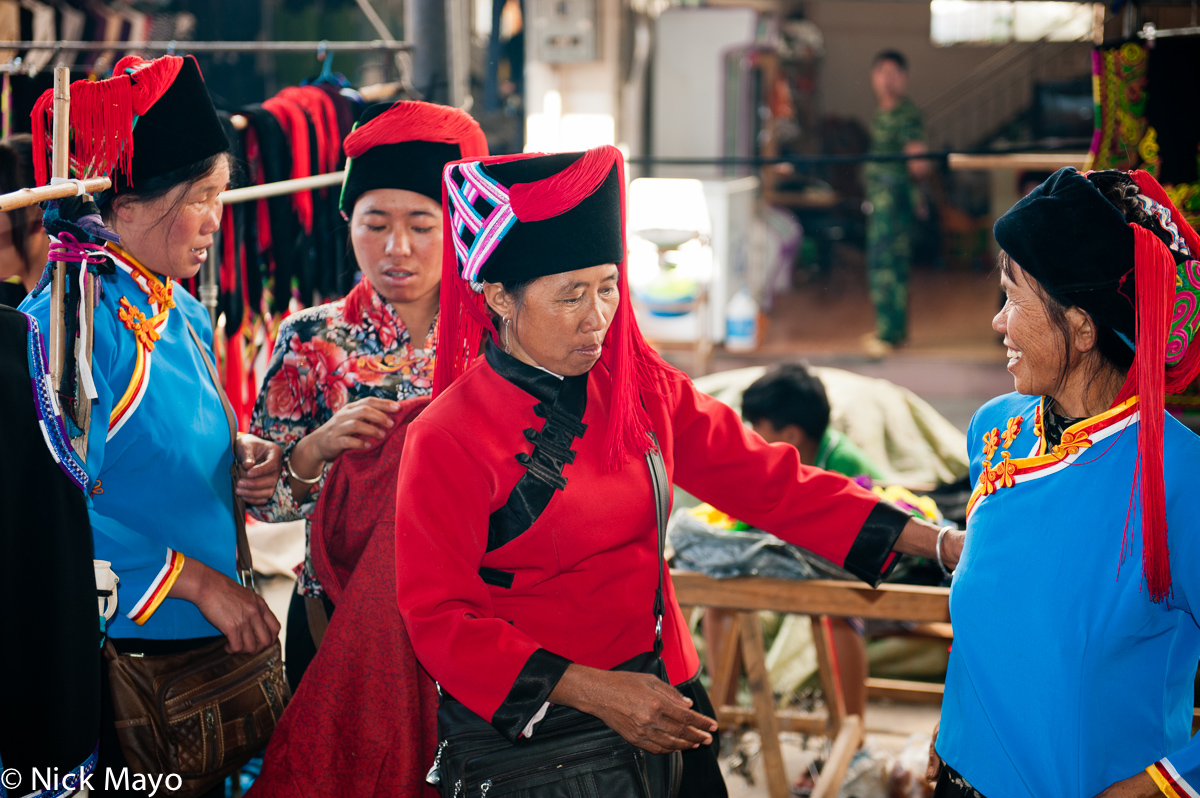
<point>741,323</point>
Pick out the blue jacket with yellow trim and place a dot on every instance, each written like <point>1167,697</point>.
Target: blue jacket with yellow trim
<point>1064,676</point>
<point>158,450</point>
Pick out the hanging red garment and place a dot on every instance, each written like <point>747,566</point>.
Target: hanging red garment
<point>295,122</point>
<point>364,719</point>
<point>319,108</point>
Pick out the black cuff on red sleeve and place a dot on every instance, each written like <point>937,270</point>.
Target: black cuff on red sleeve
<point>871,557</point>
<point>531,689</point>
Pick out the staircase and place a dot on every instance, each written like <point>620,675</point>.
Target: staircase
<point>999,90</point>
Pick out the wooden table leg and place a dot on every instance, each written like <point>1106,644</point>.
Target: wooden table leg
<point>844,748</point>
<point>754,656</point>
<point>827,666</point>
<point>723,631</point>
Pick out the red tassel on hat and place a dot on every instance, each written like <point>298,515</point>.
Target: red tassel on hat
<point>1150,380</point>
<point>151,79</point>
<point>102,114</point>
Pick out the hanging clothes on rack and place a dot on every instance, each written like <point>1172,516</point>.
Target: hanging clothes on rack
<point>275,237</point>
<point>1145,120</point>
<point>294,123</point>
<point>1143,117</point>
<point>10,27</point>
<point>71,22</point>
<point>42,28</point>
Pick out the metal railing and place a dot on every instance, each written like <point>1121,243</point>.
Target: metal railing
<point>1000,88</point>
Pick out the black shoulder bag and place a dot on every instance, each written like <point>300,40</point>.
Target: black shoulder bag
<point>573,754</point>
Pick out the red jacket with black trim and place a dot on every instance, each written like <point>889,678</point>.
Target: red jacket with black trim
<point>507,571</point>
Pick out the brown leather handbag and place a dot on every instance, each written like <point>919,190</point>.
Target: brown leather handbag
<point>199,714</point>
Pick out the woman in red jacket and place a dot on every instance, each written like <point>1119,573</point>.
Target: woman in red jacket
<point>526,552</point>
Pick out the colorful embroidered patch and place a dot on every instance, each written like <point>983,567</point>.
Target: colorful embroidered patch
<point>1185,315</point>
<point>481,215</point>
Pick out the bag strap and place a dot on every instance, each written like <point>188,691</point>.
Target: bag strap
<point>662,486</point>
<point>245,563</point>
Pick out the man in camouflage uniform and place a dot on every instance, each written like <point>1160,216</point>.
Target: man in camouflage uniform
<point>891,200</point>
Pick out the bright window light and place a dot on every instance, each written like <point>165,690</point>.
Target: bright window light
<point>999,21</point>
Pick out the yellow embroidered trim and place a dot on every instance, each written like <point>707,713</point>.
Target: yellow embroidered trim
<point>135,320</point>
<point>1038,428</point>
<point>1075,438</point>
<point>160,293</point>
<point>991,442</point>
<point>1013,430</point>
<point>145,330</point>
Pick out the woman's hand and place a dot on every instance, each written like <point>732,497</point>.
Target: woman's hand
<point>1139,786</point>
<point>358,425</point>
<point>261,462</point>
<point>934,768</point>
<point>238,613</point>
<point>645,710</point>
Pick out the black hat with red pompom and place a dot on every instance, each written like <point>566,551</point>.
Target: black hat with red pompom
<point>404,145</point>
<point>150,119</point>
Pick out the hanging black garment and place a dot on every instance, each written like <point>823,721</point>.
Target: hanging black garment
<point>50,649</point>
<point>231,302</point>
<point>1174,64</point>
<point>344,266</point>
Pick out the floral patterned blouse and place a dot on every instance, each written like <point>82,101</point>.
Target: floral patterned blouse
<point>321,362</point>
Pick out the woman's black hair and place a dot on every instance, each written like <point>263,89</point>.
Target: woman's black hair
<point>159,186</point>
<point>1119,189</point>
<point>16,172</point>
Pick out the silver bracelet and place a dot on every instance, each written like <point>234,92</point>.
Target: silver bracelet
<point>937,548</point>
<point>287,461</point>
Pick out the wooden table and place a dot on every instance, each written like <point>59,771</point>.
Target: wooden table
<point>819,599</point>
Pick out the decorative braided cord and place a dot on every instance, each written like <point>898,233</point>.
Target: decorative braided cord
<point>50,419</point>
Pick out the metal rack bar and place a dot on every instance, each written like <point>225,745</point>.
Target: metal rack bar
<point>1150,32</point>
<point>375,45</point>
<point>280,188</point>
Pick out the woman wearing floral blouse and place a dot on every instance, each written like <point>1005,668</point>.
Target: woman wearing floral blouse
<point>339,369</point>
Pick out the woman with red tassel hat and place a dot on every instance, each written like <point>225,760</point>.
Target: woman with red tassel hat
<point>1076,679</point>
<point>339,370</point>
<point>160,502</point>
<point>528,566</point>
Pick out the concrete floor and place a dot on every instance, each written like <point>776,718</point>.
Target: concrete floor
<point>890,727</point>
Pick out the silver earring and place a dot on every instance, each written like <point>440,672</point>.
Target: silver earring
<point>507,347</point>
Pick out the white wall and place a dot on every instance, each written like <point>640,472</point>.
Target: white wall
<point>855,31</point>
<point>575,106</point>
